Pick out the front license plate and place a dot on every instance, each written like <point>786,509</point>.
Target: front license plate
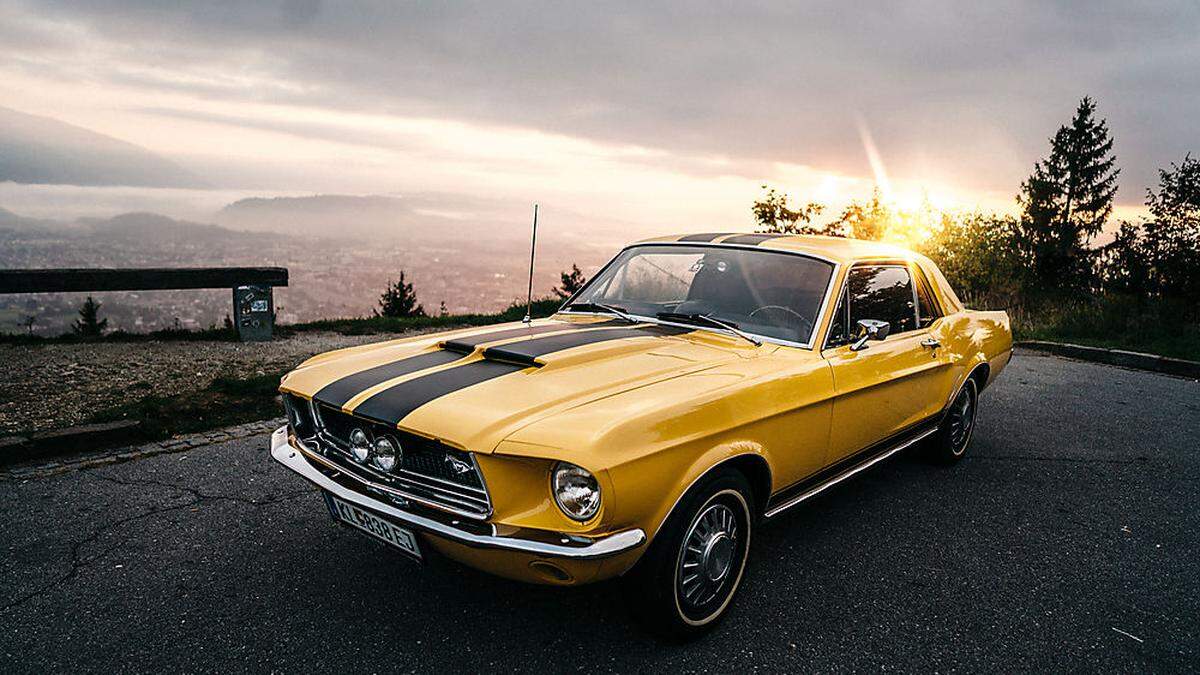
<point>373,525</point>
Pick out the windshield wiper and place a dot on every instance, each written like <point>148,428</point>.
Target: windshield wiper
<point>601,307</point>
<point>712,321</point>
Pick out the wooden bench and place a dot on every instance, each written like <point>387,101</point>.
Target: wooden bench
<point>253,301</point>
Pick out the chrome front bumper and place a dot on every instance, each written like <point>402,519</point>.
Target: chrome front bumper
<point>532,542</point>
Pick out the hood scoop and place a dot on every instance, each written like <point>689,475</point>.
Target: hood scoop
<point>491,354</point>
<point>529,351</point>
<point>506,355</point>
<point>457,346</point>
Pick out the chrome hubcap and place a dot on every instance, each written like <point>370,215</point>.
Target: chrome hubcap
<point>708,556</point>
<point>718,556</point>
<point>962,416</point>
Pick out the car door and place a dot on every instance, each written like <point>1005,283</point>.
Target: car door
<point>892,384</point>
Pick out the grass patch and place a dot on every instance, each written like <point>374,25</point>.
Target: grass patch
<point>1163,327</point>
<point>227,401</point>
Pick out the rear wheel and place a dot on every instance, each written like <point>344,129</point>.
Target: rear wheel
<point>950,442</point>
<point>685,583</point>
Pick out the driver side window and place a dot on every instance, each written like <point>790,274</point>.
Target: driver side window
<point>882,292</point>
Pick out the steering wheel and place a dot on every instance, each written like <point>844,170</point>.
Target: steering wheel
<point>806,325</point>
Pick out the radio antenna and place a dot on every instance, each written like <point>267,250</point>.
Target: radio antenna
<point>532,250</point>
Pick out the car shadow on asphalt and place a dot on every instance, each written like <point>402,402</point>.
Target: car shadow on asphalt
<point>788,551</point>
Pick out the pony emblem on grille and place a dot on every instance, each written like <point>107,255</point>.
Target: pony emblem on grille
<point>457,465</point>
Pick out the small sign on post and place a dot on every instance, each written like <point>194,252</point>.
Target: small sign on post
<point>254,312</point>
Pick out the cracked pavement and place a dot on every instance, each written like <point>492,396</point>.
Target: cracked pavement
<point>1068,538</point>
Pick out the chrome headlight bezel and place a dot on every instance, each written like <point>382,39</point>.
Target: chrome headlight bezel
<point>386,453</point>
<point>360,445</point>
<point>578,507</point>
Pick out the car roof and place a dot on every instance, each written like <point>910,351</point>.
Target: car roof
<point>837,249</point>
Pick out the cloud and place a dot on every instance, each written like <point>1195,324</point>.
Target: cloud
<point>951,91</point>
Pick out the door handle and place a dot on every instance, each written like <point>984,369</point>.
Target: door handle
<point>931,343</point>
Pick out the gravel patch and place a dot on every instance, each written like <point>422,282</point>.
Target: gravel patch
<point>51,386</point>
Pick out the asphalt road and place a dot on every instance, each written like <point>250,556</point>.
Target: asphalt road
<point>1068,539</point>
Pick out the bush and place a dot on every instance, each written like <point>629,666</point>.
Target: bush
<point>977,253</point>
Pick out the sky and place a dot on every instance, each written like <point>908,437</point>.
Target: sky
<point>659,116</point>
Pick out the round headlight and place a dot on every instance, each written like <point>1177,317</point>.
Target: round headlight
<point>386,455</point>
<point>575,490</point>
<point>360,445</point>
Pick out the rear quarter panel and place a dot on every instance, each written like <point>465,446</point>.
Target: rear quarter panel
<point>974,337</point>
<point>993,335</point>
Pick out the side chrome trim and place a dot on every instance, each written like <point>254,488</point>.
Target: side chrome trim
<point>834,480</point>
<point>572,546</point>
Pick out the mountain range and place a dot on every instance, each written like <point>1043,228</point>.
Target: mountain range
<point>42,150</point>
<point>79,165</point>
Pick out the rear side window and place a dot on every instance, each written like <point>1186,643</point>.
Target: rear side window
<point>882,292</point>
<point>928,309</point>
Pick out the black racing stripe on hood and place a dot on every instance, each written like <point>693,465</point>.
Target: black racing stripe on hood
<point>339,391</point>
<point>395,403</point>
<point>392,405</point>
<point>704,236</point>
<point>468,343</point>
<point>752,239</point>
<point>526,351</point>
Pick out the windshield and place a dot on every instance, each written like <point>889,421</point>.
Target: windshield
<point>767,293</point>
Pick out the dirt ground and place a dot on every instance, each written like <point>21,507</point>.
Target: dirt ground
<point>52,386</point>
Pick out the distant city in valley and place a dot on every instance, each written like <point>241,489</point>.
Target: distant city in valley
<point>335,249</point>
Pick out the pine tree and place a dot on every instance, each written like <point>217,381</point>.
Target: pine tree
<point>399,300</point>
<point>572,281</point>
<point>89,324</point>
<point>1066,201</point>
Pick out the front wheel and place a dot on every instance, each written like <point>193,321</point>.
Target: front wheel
<point>950,442</point>
<point>684,584</point>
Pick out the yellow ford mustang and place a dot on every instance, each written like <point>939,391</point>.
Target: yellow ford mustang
<point>694,387</point>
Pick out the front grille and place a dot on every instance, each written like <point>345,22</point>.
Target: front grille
<point>429,472</point>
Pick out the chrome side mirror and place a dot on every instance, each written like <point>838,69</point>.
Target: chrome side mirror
<point>869,329</point>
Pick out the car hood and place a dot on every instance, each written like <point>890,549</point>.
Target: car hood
<point>474,388</point>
